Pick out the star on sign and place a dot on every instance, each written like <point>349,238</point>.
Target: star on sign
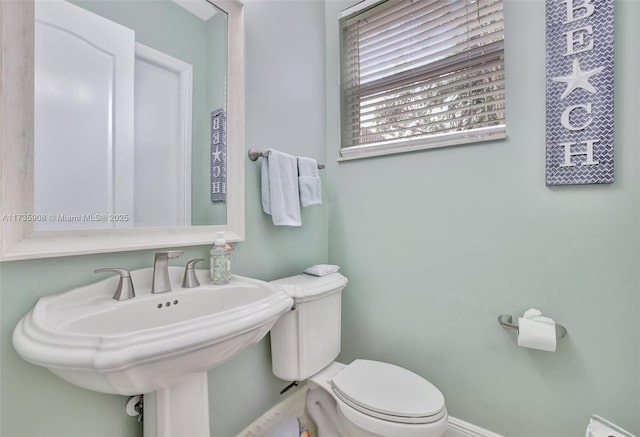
<point>216,155</point>
<point>578,79</point>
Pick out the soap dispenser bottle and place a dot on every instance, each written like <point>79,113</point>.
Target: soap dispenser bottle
<point>220,267</point>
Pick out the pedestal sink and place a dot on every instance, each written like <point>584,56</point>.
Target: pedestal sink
<point>159,345</point>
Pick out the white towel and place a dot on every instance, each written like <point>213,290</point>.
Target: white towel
<point>309,182</point>
<point>280,195</point>
<point>321,269</point>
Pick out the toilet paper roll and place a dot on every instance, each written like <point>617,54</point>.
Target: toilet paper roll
<point>536,335</point>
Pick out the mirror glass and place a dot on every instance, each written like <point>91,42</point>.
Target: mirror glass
<point>129,114</point>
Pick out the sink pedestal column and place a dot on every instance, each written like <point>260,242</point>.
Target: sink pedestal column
<point>179,410</point>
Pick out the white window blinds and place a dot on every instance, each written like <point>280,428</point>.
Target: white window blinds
<point>422,73</point>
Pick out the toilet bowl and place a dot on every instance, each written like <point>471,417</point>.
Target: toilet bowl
<point>372,398</point>
<point>362,399</point>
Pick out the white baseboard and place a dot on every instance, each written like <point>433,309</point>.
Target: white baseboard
<point>291,406</point>
<point>460,428</point>
<point>294,406</point>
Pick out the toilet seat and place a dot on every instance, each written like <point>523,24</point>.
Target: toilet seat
<point>360,425</point>
<point>388,392</point>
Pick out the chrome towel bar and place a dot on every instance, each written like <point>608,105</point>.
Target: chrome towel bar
<point>255,154</point>
<point>506,320</point>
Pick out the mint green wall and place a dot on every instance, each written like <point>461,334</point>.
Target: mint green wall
<point>284,110</point>
<point>285,94</point>
<point>438,243</point>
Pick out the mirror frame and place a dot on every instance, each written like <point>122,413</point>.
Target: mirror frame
<point>18,239</point>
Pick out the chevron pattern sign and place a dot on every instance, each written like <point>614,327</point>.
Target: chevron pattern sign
<point>218,156</point>
<point>579,139</point>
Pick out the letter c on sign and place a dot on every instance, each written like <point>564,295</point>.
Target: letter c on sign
<point>567,113</point>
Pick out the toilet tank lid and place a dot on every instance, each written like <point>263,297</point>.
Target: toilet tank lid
<point>308,287</point>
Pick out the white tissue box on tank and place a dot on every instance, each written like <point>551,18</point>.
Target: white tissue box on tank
<point>307,339</point>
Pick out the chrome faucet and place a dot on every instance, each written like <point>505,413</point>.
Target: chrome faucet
<point>160,283</point>
<point>124,290</point>
<point>189,280</point>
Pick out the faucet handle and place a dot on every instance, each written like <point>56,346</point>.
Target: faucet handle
<point>190,280</point>
<point>124,290</point>
<point>161,282</point>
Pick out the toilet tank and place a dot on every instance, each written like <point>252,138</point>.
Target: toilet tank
<point>307,339</point>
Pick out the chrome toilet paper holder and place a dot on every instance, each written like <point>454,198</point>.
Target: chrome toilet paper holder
<point>506,320</point>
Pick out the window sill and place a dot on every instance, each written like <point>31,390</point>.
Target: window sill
<point>444,140</point>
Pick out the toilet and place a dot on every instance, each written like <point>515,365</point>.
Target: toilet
<point>362,399</point>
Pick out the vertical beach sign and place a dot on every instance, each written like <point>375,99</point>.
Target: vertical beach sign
<point>580,77</point>
<point>218,156</point>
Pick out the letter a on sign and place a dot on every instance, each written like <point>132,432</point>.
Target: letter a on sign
<point>579,140</point>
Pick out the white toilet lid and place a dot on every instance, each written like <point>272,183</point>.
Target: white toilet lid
<point>388,392</point>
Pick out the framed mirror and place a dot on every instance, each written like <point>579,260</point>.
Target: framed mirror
<point>121,125</point>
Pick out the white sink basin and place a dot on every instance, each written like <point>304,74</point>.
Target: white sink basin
<point>152,341</point>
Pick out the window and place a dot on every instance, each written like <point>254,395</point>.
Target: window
<point>421,74</point>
